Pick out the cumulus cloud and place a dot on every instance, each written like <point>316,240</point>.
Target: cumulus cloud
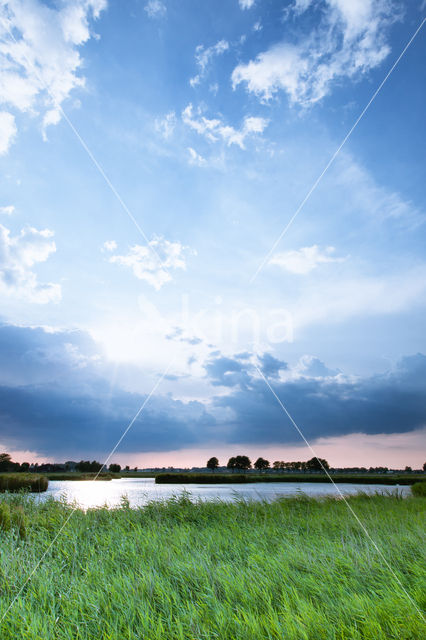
<point>39,63</point>
<point>155,9</point>
<point>153,262</point>
<point>304,260</point>
<point>7,210</point>
<point>109,245</point>
<point>349,40</point>
<point>203,56</point>
<point>18,256</point>
<point>214,129</point>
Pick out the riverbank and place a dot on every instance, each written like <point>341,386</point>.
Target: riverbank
<point>338,478</point>
<point>296,568</point>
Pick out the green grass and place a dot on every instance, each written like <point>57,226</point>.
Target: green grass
<point>237,478</point>
<point>23,482</point>
<point>296,569</point>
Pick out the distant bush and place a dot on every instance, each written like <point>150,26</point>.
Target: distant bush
<point>419,489</point>
<point>26,481</point>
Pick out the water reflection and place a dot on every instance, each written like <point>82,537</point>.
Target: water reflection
<point>141,490</point>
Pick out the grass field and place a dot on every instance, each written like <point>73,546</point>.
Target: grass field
<point>238,478</point>
<point>295,569</point>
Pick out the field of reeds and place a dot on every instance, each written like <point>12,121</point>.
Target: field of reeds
<point>296,569</point>
<point>238,478</point>
<point>23,481</point>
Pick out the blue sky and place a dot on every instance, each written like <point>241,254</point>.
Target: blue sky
<point>211,123</point>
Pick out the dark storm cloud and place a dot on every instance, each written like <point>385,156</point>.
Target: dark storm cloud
<point>390,403</point>
<point>55,400</point>
<point>270,366</point>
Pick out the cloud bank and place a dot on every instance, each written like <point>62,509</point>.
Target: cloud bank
<point>57,398</point>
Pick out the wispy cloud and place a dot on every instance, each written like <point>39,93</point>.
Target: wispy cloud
<point>304,260</point>
<point>203,57</point>
<point>155,9</point>
<point>8,131</point>
<point>165,126</point>
<point>195,158</point>
<point>349,39</point>
<point>214,129</point>
<point>246,4</point>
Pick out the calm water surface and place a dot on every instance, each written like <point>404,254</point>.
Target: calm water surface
<point>141,490</point>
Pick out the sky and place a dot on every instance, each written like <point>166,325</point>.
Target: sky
<point>182,230</point>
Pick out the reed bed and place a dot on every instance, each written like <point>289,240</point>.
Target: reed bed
<point>23,482</point>
<point>295,569</point>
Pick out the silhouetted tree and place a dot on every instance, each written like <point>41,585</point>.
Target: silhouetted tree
<point>127,468</point>
<point>5,462</point>
<point>424,466</point>
<point>408,469</point>
<point>242,462</point>
<point>114,468</point>
<point>261,464</point>
<point>25,466</point>
<point>232,464</point>
<point>317,464</point>
<point>213,463</point>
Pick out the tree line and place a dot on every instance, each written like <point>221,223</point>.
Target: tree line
<point>243,463</point>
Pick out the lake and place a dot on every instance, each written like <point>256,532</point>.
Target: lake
<point>141,490</point>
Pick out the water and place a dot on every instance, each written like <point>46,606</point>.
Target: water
<point>141,490</point>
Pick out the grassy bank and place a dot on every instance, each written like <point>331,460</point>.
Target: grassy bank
<point>23,481</point>
<point>297,569</point>
<point>237,478</point>
<point>105,475</point>
<point>75,475</point>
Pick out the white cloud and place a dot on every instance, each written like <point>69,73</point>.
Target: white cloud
<point>155,9</point>
<point>304,260</point>
<point>195,158</point>
<point>39,64</point>
<point>154,262</point>
<point>204,55</point>
<point>7,131</point>
<point>18,256</point>
<point>246,4</point>
<point>7,210</point>
<point>166,125</point>
<point>215,129</point>
<point>109,245</point>
<point>349,40</point>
